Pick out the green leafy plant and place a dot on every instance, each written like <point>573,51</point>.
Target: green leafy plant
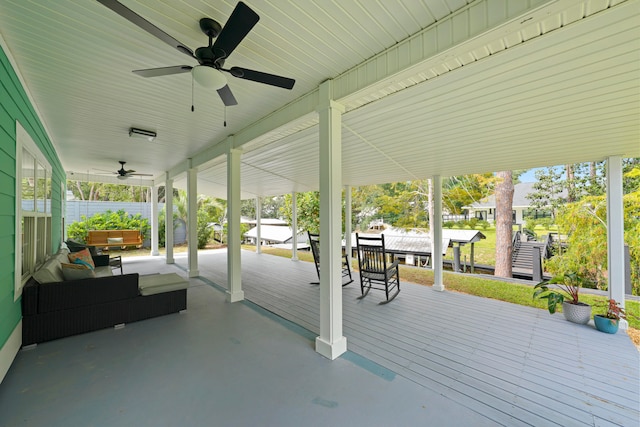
<point>613,310</point>
<point>567,287</point>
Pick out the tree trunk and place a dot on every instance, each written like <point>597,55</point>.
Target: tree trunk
<point>504,227</point>
<point>80,190</point>
<point>570,179</point>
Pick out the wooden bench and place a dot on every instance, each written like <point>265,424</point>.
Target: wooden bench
<point>114,238</point>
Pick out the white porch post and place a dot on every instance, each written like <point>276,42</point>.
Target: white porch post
<point>234,287</point>
<point>168,219</point>
<point>615,233</point>
<point>436,245</point>
<point>294,226</point>
<point>192,221</point>
<point>154,221</point>
<point>347,221</point>
<point>258,220</point>
<point>331,343</point>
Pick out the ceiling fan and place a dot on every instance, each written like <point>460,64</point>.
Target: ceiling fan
<point>124,174</point>
<point>210,58</point>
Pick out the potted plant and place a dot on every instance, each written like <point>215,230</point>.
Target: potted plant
<point>609,321</point>
<point>566,292</point>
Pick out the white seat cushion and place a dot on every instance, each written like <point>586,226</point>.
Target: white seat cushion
<point>159,283</point>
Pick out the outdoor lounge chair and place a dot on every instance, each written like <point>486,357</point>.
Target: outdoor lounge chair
<point>375,271</point>
<point>314,242</point>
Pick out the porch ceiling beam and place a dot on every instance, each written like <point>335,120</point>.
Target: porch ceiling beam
<point>398,62</point>
<point>110,179</point>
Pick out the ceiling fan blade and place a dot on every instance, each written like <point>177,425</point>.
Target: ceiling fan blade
<point>241,21</point>
<point>260,77</point>
<point>140,174</point>
<point>227,96</point>
<point>138,20</point>
<point>163,71</point>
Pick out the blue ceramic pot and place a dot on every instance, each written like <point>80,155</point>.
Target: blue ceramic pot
<point>604,324</point>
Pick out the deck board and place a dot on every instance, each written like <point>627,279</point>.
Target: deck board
<point>504,361</point>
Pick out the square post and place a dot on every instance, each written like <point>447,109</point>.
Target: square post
<point>294,226</point>
<point>154,221</point>
<point>615,232</point>
<point>436,251</point>
<point>192,221</point>
<point>258,229</point>
<point>168,219</point>
<point>331,343</point>
<point>234,288</point>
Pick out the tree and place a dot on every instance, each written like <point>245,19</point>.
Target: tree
<point>464,190</point>
<point>547,190</point>
<point>307,209</point>
<point>504,221</point>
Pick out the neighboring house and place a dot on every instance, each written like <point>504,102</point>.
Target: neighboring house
<point>486,208</point>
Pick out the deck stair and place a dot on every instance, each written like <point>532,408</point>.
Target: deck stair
<point>522,255</point>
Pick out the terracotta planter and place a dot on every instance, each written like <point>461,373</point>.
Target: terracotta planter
<point>604,324</point>
<point>577,313</point>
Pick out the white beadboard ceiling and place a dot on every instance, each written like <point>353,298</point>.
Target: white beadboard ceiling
<point>429,87</point>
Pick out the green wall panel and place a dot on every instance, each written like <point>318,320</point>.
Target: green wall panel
<point>15,105</point>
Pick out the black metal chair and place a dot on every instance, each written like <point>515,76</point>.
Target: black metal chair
<point>314,242</point>
<point>375,271</point>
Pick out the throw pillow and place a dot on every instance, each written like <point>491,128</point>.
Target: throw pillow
<point>84,255</point>
<point>83,262</point>
<point>77,272</point>
<point>114,239</point>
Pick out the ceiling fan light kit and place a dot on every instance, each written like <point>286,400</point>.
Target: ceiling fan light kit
<point>209,77</point>
<point>141,133</point>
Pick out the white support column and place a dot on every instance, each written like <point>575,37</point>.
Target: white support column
<point>615,233</point>
<point>294,226</point>
<point>347,221</point>
<point>258,229</point>
<point>154,221</point>
<point>436,245</point>
<point>234,288</point>
<point>192,221</point>
<point>168,219</point>
<point>331,343</point>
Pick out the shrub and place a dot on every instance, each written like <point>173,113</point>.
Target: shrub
<point>108,220</point>
<point>484,224</point>
<point>204,230</point>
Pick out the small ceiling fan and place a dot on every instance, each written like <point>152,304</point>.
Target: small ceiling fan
<point>212,57</point>
<point>122,173</point>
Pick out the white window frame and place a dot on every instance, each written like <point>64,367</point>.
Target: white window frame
<point>25,142</point>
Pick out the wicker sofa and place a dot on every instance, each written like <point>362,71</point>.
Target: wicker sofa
<point>54,308</point>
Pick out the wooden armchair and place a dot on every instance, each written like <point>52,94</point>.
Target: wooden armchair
<point>375,271</point>
<point>314,242</point>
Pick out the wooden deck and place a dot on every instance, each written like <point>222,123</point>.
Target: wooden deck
<point>514,365</point>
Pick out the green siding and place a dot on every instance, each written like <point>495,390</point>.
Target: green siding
<point>15,105</point>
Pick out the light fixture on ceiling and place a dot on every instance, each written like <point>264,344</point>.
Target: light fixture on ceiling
<point>122,176</point>
<point>141,133</point>
<point>209,77</point>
